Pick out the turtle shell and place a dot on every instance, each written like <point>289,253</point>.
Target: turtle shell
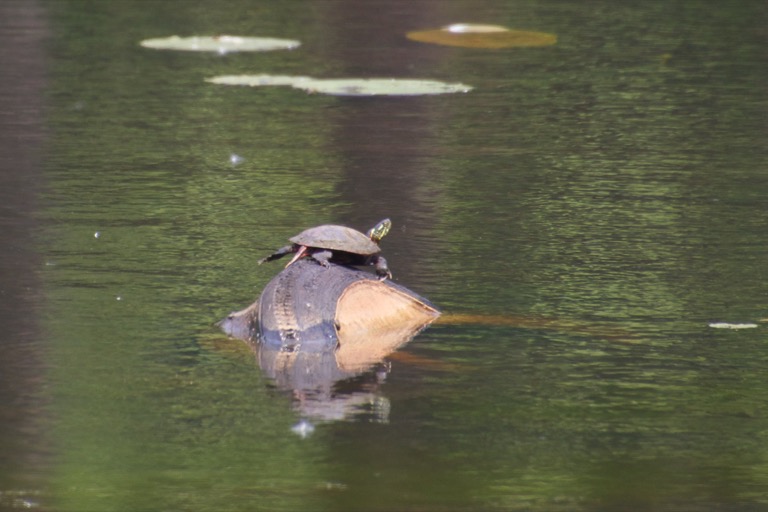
<point>337,238</point>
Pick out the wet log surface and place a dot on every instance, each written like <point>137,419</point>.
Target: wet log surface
<point>315,325</point>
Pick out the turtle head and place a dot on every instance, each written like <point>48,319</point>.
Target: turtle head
<point>377,232</point>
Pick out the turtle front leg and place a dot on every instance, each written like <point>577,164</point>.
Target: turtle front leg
<point>288,249</point>
<point>322,257</point>
<point>382,270</point>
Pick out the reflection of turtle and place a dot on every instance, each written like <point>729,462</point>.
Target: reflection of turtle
<point>339,244</point>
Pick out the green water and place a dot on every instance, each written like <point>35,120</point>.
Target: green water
<point>593,205</point>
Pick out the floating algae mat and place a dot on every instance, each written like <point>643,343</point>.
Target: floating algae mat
<point>220,44</point>
<point>346,86</point>
<point>470,35</point>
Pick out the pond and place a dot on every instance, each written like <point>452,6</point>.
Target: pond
<point>590,218</point>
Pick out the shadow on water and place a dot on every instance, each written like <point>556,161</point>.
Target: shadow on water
<point>23,135</point>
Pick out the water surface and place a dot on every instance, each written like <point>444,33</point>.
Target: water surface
<point>581,217</point>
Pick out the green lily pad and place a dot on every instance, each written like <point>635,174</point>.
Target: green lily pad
<point>380,87</point>
<point>257,80</point>
<point>727,325</point>
<point>347,86</point>
<point>220,44</point>
<point>469,35</point>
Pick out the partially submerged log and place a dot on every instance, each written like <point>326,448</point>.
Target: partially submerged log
<point>374,318</point>
<point>314,325</point>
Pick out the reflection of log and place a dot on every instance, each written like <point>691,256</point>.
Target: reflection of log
<point>314,325</point>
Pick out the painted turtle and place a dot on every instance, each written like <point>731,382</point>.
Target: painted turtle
<point>330,243</point>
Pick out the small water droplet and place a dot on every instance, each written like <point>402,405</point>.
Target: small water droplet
<point>303,429</point>
<point>235,159</point>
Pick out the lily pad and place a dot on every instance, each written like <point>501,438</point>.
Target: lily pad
<point>470,35</point>
<point>726,325</point>
<point>347,86</point>
<point>257,80</point>
<point>474,28</point>
<point>220,44</point>
<point>380,87</point>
